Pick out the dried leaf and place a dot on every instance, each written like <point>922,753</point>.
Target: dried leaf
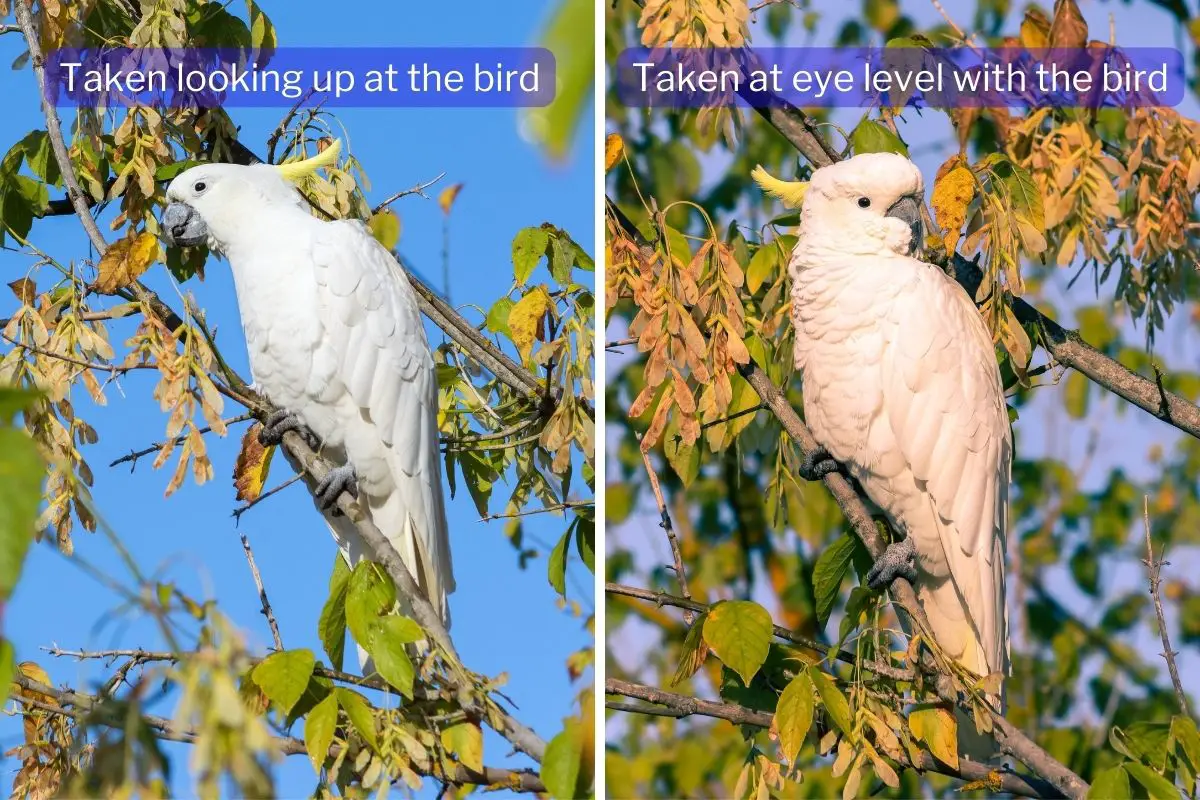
<point>952,194</point>
<point>447,197</point>
<point>25,290</point>
<point>614,148</point>
<point>252,465</point>
<point>1069,29</point>
<point>124,261</point>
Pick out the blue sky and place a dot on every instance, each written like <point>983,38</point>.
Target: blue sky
<point>505,620</point>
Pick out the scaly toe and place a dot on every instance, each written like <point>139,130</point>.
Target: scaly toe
<point>817,465</point>
<point>338,480</point>
<point>899,560</point>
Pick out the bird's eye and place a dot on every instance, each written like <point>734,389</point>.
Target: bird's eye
<point>201,186</point>
<point>864,202</point>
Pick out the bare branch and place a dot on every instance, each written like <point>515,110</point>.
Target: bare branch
<point>419,189</point>
<point>547,510</point>
<point>242,509</point>
<point>267,611</point>
<point>672,539</point>
<point>1154,567</point>
<point>685,706</point>
<point>134,455</point>
<point>76,705</point>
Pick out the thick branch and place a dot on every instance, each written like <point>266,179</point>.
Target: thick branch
<point>94,707</point>
<point>684,706</point>
<point>314,469</point>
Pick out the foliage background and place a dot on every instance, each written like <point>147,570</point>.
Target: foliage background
<point>1081,620</point>
<point>505,620</point>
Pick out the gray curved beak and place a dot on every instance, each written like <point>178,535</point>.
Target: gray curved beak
<point>182,226</point>
<point>908,210</point>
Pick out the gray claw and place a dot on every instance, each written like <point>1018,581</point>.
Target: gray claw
<point>899,560</point>
<point>817,465</point>
<point>338,480</point>
<point>279,423</point>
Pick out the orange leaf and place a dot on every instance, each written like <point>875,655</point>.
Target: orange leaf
<point>252,465</point>
<point>448,196</point>
<point>124,261</point>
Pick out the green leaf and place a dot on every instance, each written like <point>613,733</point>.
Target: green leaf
<point>554,124</point>
<point>284,676</point>
<point>794,715</point>
<point>388,637</point>
<point>762,265</point>
<point>21,473</point>
<point>332,624</point>
<point>359,711</point>
<point>1075,394</point>
<point>8,659</point>
<point>39,157</point>
<point>497,316</point>
<point>585,542</point>
<point>528,247</point>
<point>556,569</point>
<point>1110,784</point>
<point>562,762</point>
<point>318,730</point>
<point>385,227</point>
<point>837,708</point>
<point>1184,731</point>
<point>170,171</point>
<point>262,34</point>
<point>1158,787</point>
<point>870,136</point>
<point>828,572</point>
<point>1023,194</point>
<point>370,595</point>
<point>739,632</point>
<point>694,651</point>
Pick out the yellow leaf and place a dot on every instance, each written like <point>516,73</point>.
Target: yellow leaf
<point>525,317</point>
<point>252,465</point>
<point>124,261</point>
<point>385,227</point>
<point>1035,30</point>
<point>790,193</point>
<point>952,193</point>
<point>937,728</point>
<point>447,197</point>
<point>465,740</point>
<point>794,715</point>
<point>614,148</point>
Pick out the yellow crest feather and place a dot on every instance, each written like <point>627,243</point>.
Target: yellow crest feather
<point>295,170</point>
<point>790,193</point>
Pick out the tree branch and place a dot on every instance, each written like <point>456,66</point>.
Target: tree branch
<point>664,599</point>
<point>267,611</point>
<point>672,538</point>
<point>685,706</point>
<point>419,189</point>
<point>94,708</point>
<point>1154,567</point>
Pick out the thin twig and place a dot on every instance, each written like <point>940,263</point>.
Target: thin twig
<point>672,538</point>
<point>1154,567</point>
<point>134,455</point>
<point>418,189</point>
<point>567,506</point>
<point>237,512</point>
<point>277,134</point>
<point>685,706</point>
<point>267,611</point>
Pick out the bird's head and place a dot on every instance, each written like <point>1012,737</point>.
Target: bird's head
<point>869,203</point>
<point>213,203</point>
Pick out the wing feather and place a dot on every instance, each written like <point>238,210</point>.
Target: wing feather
<point>946,407</point>
<point>370,311</point>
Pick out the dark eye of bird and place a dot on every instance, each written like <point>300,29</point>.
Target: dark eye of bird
<point>201,186</point>
<point>864,202</point>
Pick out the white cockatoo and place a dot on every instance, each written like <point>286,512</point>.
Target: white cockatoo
<point>901,387</point>
<point>336,341</point>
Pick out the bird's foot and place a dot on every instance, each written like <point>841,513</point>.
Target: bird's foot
<point>818,464</point>
<point>336,481</point>
<point>899,560</point>
<point>282,421</point>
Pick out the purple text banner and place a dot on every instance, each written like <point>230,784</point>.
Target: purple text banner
<point>961,77</point>
<point>371,77</point>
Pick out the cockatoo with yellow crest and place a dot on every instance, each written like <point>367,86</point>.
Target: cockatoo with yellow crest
<point>336,341</point>
<point>902,389</point>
